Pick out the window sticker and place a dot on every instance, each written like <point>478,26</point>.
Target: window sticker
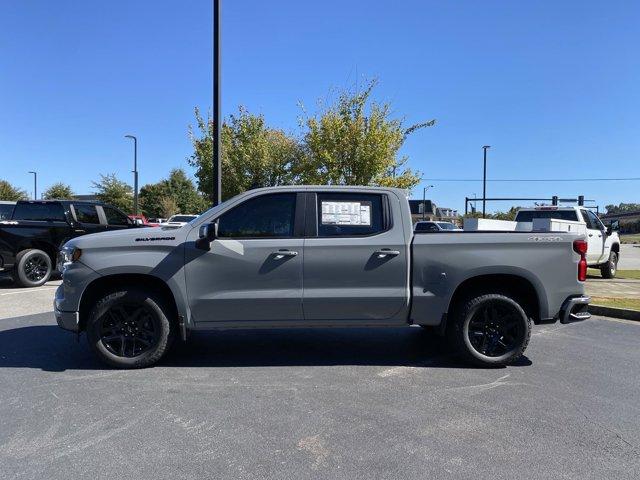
<point>346,213</point>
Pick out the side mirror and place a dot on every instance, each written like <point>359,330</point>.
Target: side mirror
<point>207,234</point>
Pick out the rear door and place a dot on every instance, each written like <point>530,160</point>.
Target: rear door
<point>595,240</point>
<point>355,259</point>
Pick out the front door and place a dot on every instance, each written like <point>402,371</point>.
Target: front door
<point>355,263</point>
<point>253,272</point>
<point>595,239</point>
<point>87,217</point>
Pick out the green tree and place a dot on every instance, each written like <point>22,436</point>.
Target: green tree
<point>10,193</point>
<point>355,141</point>
<point>178,188</point>
<point>508,215</point>
<point>253,154</point>
<point>59,191</point>
<point>114,192</point>
<point>623,208</point>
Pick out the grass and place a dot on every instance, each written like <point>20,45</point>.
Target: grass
<point>620,274</point>
<point>630,238</point>
<point>629,303</point>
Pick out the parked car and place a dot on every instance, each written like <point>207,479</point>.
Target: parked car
<point>603,250</point>
<point>179,220</point>
<point>31,238</point>
<point>6,209</point>
<point>317,257</point>
<point>157,221</point>
<point>143,221</point>
<point>433,226</point>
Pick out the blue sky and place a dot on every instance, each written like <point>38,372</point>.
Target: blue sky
<point>552,86</point>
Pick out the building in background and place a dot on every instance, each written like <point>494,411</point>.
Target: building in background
<point>427,210</point>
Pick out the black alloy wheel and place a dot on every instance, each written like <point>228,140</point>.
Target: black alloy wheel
<point>36,267</point>
<point>129,330</point>
<point>495,329</point>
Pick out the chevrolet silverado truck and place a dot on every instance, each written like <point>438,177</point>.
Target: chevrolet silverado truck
<point>34,232</point>
<point>603,243</point>
<point>317,257</point>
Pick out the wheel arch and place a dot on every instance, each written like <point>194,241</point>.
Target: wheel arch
<point>110,283</point>
<point>516,286</point>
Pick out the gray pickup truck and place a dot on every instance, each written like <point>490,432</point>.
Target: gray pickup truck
<point>317,257</point>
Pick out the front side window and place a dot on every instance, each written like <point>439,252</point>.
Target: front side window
<point>595,221</point>
<point>114,217</point>
<point>266,216</point>
<point>86,214</point>
<point>588,220</point>
<point>349,214</point>
<point>39,212</point>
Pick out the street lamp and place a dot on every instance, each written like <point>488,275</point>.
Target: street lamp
<point>424,199</point>
<point>216,164</point>
<point>484,181</point>
<point>35,185</point>
<point>135,173</point>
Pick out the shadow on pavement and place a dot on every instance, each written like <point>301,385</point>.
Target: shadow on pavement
<point>49,348</point>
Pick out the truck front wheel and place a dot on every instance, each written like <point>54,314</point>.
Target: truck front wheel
<point>609,269</point>
<point>490,330</point>
<point>129,328</point>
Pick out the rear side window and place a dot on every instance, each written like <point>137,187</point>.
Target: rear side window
<point>86,214</point>
<point>349,214</point>
<point>6,211</point>
<point>114,217</point>
<point>39,212</point>
<point>267,216</point>
<point>529,215</point>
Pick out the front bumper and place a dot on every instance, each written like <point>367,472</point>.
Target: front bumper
<point>66,320</point>
<point>575,309</point>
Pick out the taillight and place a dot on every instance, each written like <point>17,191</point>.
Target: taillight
<point>580,246</point>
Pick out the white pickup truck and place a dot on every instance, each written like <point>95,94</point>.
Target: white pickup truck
<point>603,250</point>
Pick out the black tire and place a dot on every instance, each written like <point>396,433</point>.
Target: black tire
<point>609,269</point>
<point>130,328</point>
<point>33,268</point>
<point>489,330</point>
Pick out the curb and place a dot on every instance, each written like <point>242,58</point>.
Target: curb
<point>614,312</point>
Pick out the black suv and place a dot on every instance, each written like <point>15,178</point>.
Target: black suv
<point>31,238</point>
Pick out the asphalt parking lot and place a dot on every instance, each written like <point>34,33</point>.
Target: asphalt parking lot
<point>330,403</point>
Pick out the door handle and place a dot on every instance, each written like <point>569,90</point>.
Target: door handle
<point>280,254</point>
<point>386,252</point>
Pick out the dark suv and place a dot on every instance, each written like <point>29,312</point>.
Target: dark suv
<point>31,238</point>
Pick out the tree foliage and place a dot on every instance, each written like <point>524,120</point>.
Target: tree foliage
<point>253,154</point>
<point>114,192</point>
<point>10,193</point>
<point>59,191</point>
<point>356,142</point>
<point>623,208</point>
<point>175,194</point>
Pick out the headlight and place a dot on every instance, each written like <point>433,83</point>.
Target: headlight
<point>69,255</point>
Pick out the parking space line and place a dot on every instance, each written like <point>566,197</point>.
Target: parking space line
<point>31,290</point>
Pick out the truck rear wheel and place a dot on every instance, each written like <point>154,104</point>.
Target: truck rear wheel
<point>490,330</point>
<point>609,269</point>
<point>129,328</point>
<point>33,268</point>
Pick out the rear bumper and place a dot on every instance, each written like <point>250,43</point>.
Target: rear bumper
<point>575,309</point>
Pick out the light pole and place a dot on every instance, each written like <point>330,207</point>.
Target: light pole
<point>424,199</point>
<point>35,185</point>
<point>484,181</point>
<point>135,173</point>
<point>216,164</point>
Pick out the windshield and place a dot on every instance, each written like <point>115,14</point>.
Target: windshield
<point>182,218</point>
<point>529,215</point>
<point>447,226</point>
